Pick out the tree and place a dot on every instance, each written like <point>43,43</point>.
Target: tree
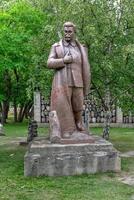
<point>20,24</point>
<point>106,27</point>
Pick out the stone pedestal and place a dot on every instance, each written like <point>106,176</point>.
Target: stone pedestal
<point>44,158</point>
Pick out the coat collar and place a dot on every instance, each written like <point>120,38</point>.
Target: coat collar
<point>66,44</point>
<point>77,43</point>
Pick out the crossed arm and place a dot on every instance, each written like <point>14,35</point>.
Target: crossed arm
<point>57,63</point>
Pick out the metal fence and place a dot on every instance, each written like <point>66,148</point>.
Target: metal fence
<point>93,111</point>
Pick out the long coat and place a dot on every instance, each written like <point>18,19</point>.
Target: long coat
<point>60,100</point>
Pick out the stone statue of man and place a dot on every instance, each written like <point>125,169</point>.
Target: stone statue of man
<point>69,59</point>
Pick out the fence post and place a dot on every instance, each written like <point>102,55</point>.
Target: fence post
<point>37,106</point>
<point>119,115</point>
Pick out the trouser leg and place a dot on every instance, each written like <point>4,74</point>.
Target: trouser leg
<point>77,106</point>
<point>68,125</point>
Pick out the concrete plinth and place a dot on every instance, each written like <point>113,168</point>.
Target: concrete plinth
<point>44,158</point>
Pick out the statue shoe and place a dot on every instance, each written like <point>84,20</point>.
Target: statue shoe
<point>80,127</point>
<point>67,135</point>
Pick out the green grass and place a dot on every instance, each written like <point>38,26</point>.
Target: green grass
<point>16,129</point>
<point>14,186</point>
<point>21,129</point>
<point>122,138</point>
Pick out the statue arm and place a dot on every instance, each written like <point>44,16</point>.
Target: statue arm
<point>54,62</point>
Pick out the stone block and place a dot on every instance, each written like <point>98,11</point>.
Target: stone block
<point>44,158</point>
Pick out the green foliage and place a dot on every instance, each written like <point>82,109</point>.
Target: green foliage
<point>28,28</point>
<point>20,27</point>
<point>106,27</point>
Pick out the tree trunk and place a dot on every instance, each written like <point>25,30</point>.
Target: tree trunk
<point>5,109</point>
<point>29,110</point>
<point>107,118</point>
<point>15,113</point>
<point>7,94</point>
<point>22,113</point>
<point>0,112</point>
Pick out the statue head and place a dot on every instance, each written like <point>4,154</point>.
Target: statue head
<point>69,31</point>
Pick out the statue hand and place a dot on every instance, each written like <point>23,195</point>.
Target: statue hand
<point>68,58</point>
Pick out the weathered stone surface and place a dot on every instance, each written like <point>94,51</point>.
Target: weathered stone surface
<point>127,154</point>
<point>37,106</point>
<point>44,158</point>
<point>129,180</point>
<point>132,197</point>
<point>1,130</point>
<point>74,137</point>
<point>55,131</point>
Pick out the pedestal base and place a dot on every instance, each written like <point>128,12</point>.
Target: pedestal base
<point>44,158</point>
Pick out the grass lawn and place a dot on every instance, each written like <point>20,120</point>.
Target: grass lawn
<point>14,186</point>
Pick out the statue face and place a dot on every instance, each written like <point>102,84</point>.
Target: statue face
<point>69,33</point>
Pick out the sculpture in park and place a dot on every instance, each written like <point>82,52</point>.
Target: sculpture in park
<point>69,59</point>
<point>71,82</point>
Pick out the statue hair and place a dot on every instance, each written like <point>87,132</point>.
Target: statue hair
<point>70,24</point>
